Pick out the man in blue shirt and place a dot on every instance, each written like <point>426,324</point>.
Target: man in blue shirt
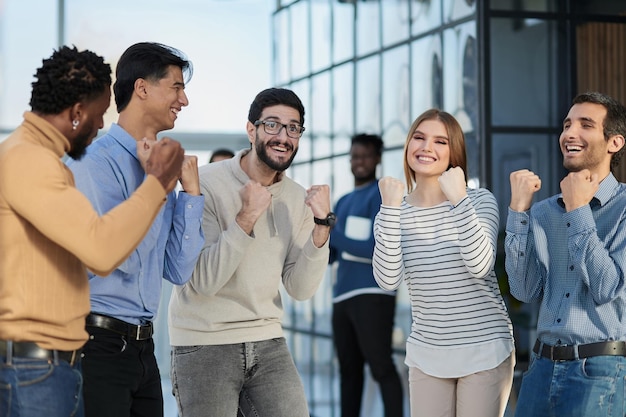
<point>363,313</point>
<point>568,252</point>
<point>121,377</point>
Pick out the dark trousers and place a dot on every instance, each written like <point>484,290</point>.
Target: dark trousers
<point>362,328</point>
<point>121,376</point>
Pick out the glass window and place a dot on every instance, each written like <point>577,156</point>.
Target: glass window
<point>343,107</point>
<point>300,41</point>
<point>393,162</point>
<point>396,95</point>
<point>368,95</point>
<point>457,9</point>
<point>21,52</point>
<point>524,63</point>
<point>302,90</point>
<point>425,15</point>
<point>343,31</point>
<point>320,34</point>
<point>525,5</point>
<point>426,75</point>
<point>319,112</point>
<point>367,27</point>
<point>396,21</point>
<point>343,181</point>
<point>281,49</point>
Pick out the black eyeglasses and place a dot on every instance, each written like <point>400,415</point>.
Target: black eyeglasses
<point>272,127</point>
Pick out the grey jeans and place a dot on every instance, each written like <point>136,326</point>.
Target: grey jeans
<point>260,378</point>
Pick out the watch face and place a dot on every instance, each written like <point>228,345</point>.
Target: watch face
<point>331,219</point>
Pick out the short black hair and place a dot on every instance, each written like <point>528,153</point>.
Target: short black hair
<point>221,152</point>
<point>274,97</point>
<point>375,141</point>
<point>147,60</point>
<point>614,121</point>
<point>68,77</point>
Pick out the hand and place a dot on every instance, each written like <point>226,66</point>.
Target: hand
<point>578,188</point>
<point>189,178</point>
<point>318,199</point>
<point>144,148</point>
<point>255,200</point>
<point>165,162</point>
<point>453,185</point>
<point>391,191</point>
<point>524,184</point>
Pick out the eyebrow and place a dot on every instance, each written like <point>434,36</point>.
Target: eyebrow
<point>436,136</point>
<point>277,119</point>
<point>582,119</point>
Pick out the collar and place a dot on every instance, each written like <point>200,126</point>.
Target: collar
<point>606,190</point>
<point>46,134</point>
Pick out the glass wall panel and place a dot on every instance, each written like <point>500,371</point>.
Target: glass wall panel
<point>367,26</point>
<point>320,114</point>
<point>281,47</point>
<point>525,5</point>
<point>457,9</point>
<point>396,21</point>
<point>343,31</point>
<point>425,15</point>
<point>343,180</point>
<point>320,34</point>
<point>396,95</point>
<point>368,110</point>
<point>343,107</point>
<point>524,65</point>
<point>426,75</point>
<point>21,52</point>
<point>303,89</point>
<point>300,39</point>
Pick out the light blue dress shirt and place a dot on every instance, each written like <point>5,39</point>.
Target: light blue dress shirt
<point>108,174</point>
<point>574,264</point>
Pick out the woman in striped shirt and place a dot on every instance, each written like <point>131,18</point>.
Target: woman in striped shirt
<point>441,240</point>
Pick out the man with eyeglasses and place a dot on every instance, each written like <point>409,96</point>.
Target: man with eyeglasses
<point>261,228</point>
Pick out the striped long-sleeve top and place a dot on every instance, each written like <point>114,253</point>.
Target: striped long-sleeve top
<point>446,255</point>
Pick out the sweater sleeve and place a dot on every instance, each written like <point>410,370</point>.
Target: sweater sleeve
<point>63,214</point>
<point>387,262</point>
<point>477,218</point>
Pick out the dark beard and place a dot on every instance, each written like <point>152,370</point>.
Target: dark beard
<point>261,151</point>
<point>79,146</point>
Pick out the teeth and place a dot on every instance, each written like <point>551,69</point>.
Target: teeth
<point>425,158</point>
<point>574,148</point>
<point>175,111</point>
<point>279,148</point>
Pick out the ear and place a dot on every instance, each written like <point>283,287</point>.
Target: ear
<point>141,88</point>
<point>251,129</point>
<point>77,112</point>
<point>616,142</point>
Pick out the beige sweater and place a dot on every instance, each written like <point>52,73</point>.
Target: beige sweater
<point>233,295</point>
<point>50,234</point>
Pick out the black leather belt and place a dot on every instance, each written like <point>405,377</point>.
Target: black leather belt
<point>10,349</point>
<point>568,352</point>
<point>133,331</point>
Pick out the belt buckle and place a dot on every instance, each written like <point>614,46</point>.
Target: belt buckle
<point>138,335</point>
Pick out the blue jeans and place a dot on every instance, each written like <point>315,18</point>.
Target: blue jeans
<point>36,388</point>
<point>591,387</point>
<point>259,378</point>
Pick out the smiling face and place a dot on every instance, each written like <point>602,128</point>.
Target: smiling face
<point>363,162</point>
<point>166,98</point>
<point>428,149</point>
<point>582,141</point>
<point>276,151</point>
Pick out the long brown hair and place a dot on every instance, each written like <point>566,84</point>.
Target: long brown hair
<point>456,141</point>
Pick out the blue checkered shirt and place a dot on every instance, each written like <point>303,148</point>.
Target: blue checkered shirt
<point>574,264</point>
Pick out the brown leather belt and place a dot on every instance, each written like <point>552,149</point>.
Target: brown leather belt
<point>568,352</point>
<point>10,349</point>
<point>133,331</point>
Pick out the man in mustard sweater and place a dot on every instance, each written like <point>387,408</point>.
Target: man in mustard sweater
<point>50,234</point>
<point>261,229</point>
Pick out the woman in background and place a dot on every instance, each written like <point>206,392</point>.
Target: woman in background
<point>441,239</point>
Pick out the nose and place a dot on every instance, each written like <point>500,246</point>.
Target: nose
<point>183,98</point>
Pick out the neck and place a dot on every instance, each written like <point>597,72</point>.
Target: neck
<point>135,127</point>
<point>427,193</point>
<point>258,171</point>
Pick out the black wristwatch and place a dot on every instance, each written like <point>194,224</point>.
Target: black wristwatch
<point>328,221</point>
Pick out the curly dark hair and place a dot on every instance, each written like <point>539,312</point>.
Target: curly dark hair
<point>67,77</point>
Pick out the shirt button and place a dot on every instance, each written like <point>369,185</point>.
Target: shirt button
<point>571,267</point>
<point>558,321</point>
<point>521,254</point>
<point>524,222</point>
<point>558,342</point>
<point>189,206</point>
<point>567,295</point>
<point>186,237</point>
<point>568,224</point>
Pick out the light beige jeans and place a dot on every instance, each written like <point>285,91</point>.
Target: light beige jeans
<point>483,394</point>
